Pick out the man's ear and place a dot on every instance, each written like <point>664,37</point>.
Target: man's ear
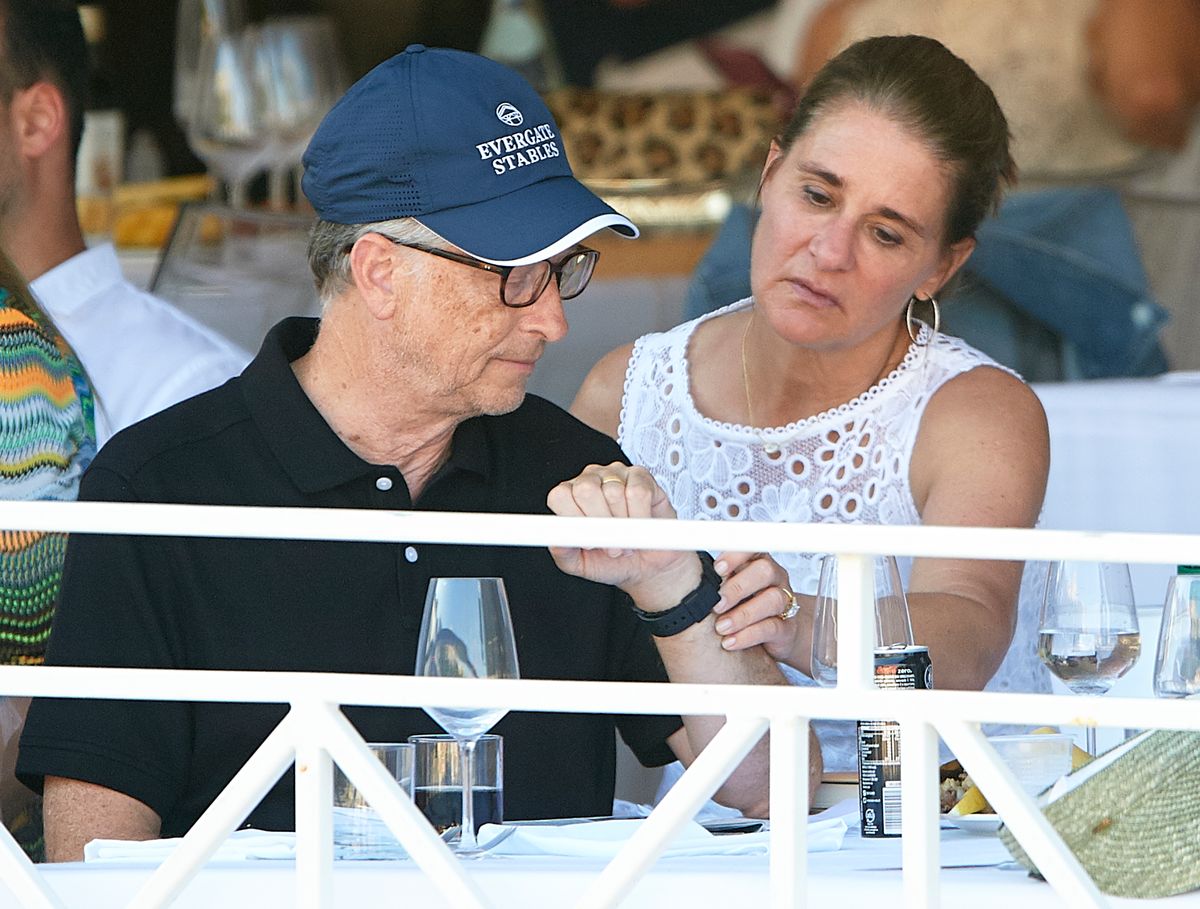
<point>373,268</point>
<point>40,119</point>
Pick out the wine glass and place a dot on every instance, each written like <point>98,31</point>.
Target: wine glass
<point>1088,633</point>
<point>467,633</point>
<point>303,77</point>
<point>893,628</point>
<point>1177,662</point>
<point>227,129</point>
<point>198,22</point>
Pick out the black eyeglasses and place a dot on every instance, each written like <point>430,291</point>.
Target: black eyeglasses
<point>522,285</point>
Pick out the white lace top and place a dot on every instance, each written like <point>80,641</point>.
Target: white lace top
<point>846,465</point>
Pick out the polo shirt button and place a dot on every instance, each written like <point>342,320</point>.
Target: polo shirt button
<point>410,553</point>
<point>383,484</point>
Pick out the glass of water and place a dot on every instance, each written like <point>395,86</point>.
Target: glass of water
<point>1088,634</point>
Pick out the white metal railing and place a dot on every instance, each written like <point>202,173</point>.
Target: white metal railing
<point>314,730</point>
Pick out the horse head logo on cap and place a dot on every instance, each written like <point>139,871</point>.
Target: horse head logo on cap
<point>509,115</point>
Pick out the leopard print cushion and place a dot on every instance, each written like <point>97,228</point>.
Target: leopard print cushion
<point>669,138</point>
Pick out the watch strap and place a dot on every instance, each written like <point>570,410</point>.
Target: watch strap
<point>693,608</point>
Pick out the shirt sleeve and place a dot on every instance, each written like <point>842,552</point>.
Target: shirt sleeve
<point>112,612</point>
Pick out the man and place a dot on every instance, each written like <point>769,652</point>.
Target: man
<point>449,233</point>
<point>140,353</point>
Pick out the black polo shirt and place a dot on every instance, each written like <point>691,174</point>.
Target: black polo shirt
<point>321,607</point>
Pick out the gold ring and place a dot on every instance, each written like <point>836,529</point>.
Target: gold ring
<point>793,605</point>
<point>612,480</point>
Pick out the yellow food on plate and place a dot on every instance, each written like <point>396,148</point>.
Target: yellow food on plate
<point>972,802</point>
<point>960,796</point>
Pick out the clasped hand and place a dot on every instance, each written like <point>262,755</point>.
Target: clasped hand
<point>754,588</point>
<point>656,579</point>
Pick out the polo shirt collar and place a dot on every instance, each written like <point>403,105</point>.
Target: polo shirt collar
<point>311,453</point>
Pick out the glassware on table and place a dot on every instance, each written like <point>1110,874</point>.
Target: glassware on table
<point>437,780</point>
<point>304,76</point>
<point>198,22</point>
<point>467,633</point>
<point>1088,632</point>
<point>893,627</point>
<point>1177,662</point>
<point>357,828</point>
<point>227,130</point>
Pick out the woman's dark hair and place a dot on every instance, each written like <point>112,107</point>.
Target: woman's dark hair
<point>939,98</point>
<point>43,40</point>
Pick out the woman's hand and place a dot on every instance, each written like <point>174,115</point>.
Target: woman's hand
<point>755,597</point>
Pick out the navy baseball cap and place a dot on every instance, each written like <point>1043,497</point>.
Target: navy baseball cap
<point>464,145</point>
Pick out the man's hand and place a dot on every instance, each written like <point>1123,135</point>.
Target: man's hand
<point>655,579</point>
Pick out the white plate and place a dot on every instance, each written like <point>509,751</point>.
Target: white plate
<point>979,824</point>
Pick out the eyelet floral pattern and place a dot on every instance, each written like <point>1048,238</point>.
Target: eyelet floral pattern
<point>846,465</point>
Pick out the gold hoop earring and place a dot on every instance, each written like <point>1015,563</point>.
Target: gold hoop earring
<point>914,333</point>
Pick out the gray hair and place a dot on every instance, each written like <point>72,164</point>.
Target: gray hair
<point>329,248</point>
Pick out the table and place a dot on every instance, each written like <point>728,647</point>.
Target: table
<point>835,879</point>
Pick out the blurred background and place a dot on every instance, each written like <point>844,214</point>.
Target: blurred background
<point>667,108</point>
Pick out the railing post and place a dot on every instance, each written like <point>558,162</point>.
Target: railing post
<point>221,818</point>
<point>856,622</point>
<point>1057,863</point>
<point>707,772</point>
<point>919,814</point>
<point>314,814</point>
<point>789,812</point>
<point>21,877</point>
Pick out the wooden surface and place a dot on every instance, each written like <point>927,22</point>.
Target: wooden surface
<point>655,253</point>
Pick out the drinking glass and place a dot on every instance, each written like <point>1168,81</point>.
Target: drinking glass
<point>227,130</point>
<point>467,633</point>
<point>893,627</point>
<point>1177,662</point>
<point>437,780</point>
<point>1088,633</point>
<point>303,76</point>
<point>199,22</point>
<point>356,826</point>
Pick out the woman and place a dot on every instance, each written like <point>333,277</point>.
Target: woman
<point>47,440</point>
<point>821,397</point>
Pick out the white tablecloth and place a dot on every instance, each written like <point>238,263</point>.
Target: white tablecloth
<point>835,879</point>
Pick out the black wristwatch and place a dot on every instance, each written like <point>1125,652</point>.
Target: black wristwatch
<point>692,608</point>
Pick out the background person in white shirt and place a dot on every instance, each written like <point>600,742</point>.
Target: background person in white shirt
<point>140,353</point>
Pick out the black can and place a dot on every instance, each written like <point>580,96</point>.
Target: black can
<point>879,742</point>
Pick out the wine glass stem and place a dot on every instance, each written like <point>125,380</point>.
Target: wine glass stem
<point>466,752</point>
<point>280,176</point>
<point>1091,740</point>
<point>238,192</point>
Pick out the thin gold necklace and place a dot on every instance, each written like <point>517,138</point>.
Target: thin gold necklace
<point>769,447</point>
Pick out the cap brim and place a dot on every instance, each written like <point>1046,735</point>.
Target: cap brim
<point>529,224</point>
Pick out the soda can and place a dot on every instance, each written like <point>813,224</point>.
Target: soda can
<point>879,742</point>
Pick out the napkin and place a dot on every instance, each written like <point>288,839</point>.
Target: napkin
<point>603,839</point>
<point>239,846</point>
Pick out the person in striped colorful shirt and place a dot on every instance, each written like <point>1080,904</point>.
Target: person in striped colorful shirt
<point>47,440</point>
